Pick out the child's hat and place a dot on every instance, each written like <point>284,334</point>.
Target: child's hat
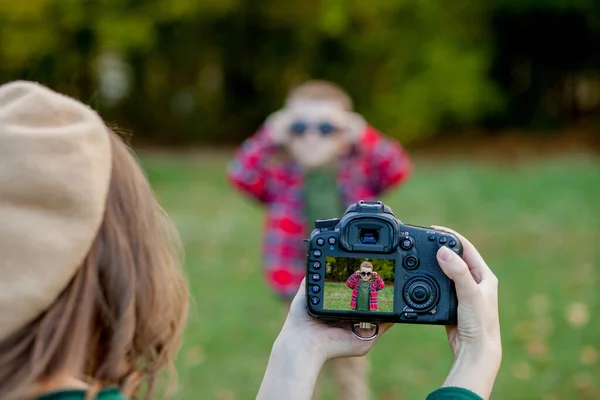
<point>55,168</point>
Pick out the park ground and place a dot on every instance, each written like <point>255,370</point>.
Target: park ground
<point>536,221</point>
<point>337,297</point>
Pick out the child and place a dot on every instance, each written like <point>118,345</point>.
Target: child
<point>92,296</point>
<point>364,289</point>
<point>311,160</point>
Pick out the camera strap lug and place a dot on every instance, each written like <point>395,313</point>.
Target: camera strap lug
<point>365,325</point>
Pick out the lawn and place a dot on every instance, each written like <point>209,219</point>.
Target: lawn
<point>536,223</point>
<point>337,297</point>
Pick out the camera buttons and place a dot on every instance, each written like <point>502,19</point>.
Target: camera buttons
<point>314,301</point>
<point>316,277</point>
<point>316,289</point>
<point>407,243</point>
<point>409,315</point>
<point>431,238</point>
<point>320,241</point>
<point>332,241</point>
<point>317,253</point>
<point>452,243</point>
<point>443,240</point>
<point>410,262</point>
<point>316,265</point>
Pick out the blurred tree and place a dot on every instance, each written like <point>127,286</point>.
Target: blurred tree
<point>186,71</point>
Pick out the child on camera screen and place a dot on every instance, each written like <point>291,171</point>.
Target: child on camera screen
<point>365,283</point>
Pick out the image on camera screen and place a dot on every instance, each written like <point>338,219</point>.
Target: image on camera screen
<point>359,284</point>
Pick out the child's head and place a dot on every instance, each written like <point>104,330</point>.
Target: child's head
<point>90,280</point>
<point>320,91</point>
<point>319,122</point>
<point>366,270</point>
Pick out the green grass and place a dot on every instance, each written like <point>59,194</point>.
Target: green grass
<point>537,224</point>
<point>337,297</point>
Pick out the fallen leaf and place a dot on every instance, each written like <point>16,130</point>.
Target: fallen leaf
<point>522,371</point>
<point>543,326</point>
<point>588,356</point>
<point>524,330</point>
<point>537,349</point>
<point>539,304</point>
<point>194,356</point>
<point>578,314</point>
<point>224,394</point>
<point>583,380</point>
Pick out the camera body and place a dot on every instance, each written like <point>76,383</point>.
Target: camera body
<point>344,257</point>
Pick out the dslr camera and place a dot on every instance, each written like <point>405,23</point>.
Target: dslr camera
<point>368,266</point>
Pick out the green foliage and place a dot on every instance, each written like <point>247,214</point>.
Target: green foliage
<point>212,70</point>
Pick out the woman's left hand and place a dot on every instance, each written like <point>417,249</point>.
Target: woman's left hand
<point>324,339</point>
<point>301,349</point>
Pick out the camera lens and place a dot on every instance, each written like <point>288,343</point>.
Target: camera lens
<point>369,236</point>
<point>420,293</point>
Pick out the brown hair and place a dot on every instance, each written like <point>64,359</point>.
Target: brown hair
<point>120,319</point>
<point>366,264</point>
<point>321,90</point>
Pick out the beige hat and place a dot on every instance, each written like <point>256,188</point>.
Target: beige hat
<point>55,167</point>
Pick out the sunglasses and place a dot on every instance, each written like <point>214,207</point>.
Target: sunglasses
<point>363,273</point>
<point>299,128</point>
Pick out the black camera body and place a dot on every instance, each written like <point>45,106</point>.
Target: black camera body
<point>422,293</point>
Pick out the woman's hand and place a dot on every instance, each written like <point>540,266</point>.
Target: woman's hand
<point>303,346</point>
<point>324,340</point>
<point>475,341</point>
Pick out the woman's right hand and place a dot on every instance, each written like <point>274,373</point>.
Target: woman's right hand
<point>475,341</point>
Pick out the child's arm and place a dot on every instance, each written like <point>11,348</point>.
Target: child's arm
<point>390,162</point>
<point>246,170</point>
<point>378,281</point>
<point>352,281</point>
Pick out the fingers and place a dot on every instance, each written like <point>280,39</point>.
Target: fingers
<point>300,298</point>
<point>472,258</point>
<point>456,269</point>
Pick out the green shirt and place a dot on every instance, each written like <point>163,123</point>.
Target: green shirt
<point>77,394</point>
<point>321,195</point>
<point>364,291</point>
<point>453,393</point>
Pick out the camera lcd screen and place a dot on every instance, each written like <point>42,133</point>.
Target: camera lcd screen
<point>359,284</point>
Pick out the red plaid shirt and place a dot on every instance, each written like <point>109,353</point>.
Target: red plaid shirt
<point>376,164</point>
<point>375,285</point>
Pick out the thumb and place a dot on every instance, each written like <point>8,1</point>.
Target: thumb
<point>456,269</point>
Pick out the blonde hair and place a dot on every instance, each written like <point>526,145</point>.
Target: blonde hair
<point>366,264</point>
<point>321,90</point>
<point>119,321</point>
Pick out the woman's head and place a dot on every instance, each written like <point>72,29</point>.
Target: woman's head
<point>97,292</point>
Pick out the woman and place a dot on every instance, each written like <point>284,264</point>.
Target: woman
<point>92,298</point>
